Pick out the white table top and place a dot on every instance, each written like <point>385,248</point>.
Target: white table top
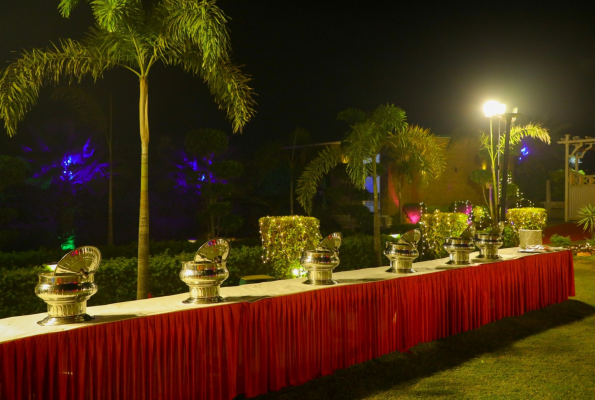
<point>26,325</point>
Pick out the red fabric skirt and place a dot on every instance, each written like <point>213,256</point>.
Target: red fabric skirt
<point>221,351</point>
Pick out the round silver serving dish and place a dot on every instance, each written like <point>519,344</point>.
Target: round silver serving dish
<point>66,295</point>
<point>320,264</point>
<point>458,250</point>
<point>204,279</point>
<point>488,245</point>
<point>401,256</point>
<point>205,274</point>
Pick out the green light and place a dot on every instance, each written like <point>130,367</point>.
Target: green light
<point>68,244</point>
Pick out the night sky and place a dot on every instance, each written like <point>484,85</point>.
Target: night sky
<point>311,59</point>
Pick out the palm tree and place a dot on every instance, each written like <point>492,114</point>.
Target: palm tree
<point>134,36</point>
<point>517,133</point>
<point>386,128</point>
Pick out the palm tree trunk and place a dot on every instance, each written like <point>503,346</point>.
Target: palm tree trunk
<point>400,178</point>
<point>142,289</point>
<point>376,216</point>
<point>110,210</point>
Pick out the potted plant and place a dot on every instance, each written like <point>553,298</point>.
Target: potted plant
<point>527,225</point>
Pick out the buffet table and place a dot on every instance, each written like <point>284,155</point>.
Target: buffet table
<point>268,335</point>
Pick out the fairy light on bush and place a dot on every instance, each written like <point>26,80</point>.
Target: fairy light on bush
<point>436,227</point>
<point>283,240</point>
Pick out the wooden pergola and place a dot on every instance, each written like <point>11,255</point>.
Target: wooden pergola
<point>579,189</point>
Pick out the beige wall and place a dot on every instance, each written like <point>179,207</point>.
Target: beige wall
<point>453,185</point>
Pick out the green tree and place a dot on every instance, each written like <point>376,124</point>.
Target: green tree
<point>135,35</point>
<point>369,134</point>
<point>212,175</point>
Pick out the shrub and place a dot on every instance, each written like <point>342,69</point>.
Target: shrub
<point>357,252</point>
<point>481,217</point>
<point>246,260</point>
<point>509,238</point>
<point>284,239</point>
<point>587,219</point>
<point>17,296</point>
<point>436,227</point>
<point>560,241</point>
<point>525,218</point>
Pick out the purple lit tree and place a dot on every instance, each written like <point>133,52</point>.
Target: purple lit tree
<point>204,172</point>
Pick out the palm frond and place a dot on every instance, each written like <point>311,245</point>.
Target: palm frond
<point>22,80</point>
<point>201,23</point>
<point>417,151</point>
<point>535,131</point>
<point>313,173</point>
<point>361,147</point>
<point>227,83</point>
<point>66,7</point>
<point>390,118</point>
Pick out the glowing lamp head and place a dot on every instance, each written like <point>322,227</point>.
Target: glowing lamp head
<point>492,108</point>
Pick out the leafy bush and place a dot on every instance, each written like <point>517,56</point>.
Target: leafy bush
<point>246,260</point>
<point>17,296</point>
<point>284,239</point>
<point>436,227</point>
<point>357,252</point>
<point>509,238</point>
<point>587,219</point>
<point>525,218</point>
<point>560,241</point>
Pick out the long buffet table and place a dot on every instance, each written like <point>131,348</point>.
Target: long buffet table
<point>268,335</point>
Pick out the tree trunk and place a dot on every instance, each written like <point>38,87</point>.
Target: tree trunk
<point>400,199</point>
<point>110,211</point>
<point>142,289</point>
<point>376,216</point>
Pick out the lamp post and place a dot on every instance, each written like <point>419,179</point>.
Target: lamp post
<point>509,119</point>
<point>494,108</point>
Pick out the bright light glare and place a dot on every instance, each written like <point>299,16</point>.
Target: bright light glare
<point>492,108</point>
<point>52,267</point>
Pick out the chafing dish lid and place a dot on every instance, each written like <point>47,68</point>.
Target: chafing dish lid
<point>215,250</point>
<point>82,260</point>
<point>331,243</point>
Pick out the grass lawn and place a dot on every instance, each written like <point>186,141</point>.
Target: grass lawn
<point>544,354</point>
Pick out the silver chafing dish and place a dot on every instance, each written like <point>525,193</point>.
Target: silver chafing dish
<point>320,262</point>
<point>489,243</point>
<point>459,248</point>
<point>402,253</point>
<point>205,274</point>
<point>67,289</point>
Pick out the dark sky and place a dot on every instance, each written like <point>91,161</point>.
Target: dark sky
<point>311,59</point>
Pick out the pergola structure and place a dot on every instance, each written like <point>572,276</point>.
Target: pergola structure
<point>579,189</point>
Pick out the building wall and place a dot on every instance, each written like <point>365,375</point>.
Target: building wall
<point>453,185</point>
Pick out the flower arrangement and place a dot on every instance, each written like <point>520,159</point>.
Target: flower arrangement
<point>436,227</point>
<point>284,239</point>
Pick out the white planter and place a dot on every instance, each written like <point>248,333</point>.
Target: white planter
<point>529,237</point>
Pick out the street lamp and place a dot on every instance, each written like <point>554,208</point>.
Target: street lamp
<point>494,108</point>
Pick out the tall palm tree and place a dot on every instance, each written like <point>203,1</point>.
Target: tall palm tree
<point>385,128</point>
<point>131,35</point>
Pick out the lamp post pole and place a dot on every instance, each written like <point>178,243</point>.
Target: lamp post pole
<point>509,119</point>
<point>494,108</point>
